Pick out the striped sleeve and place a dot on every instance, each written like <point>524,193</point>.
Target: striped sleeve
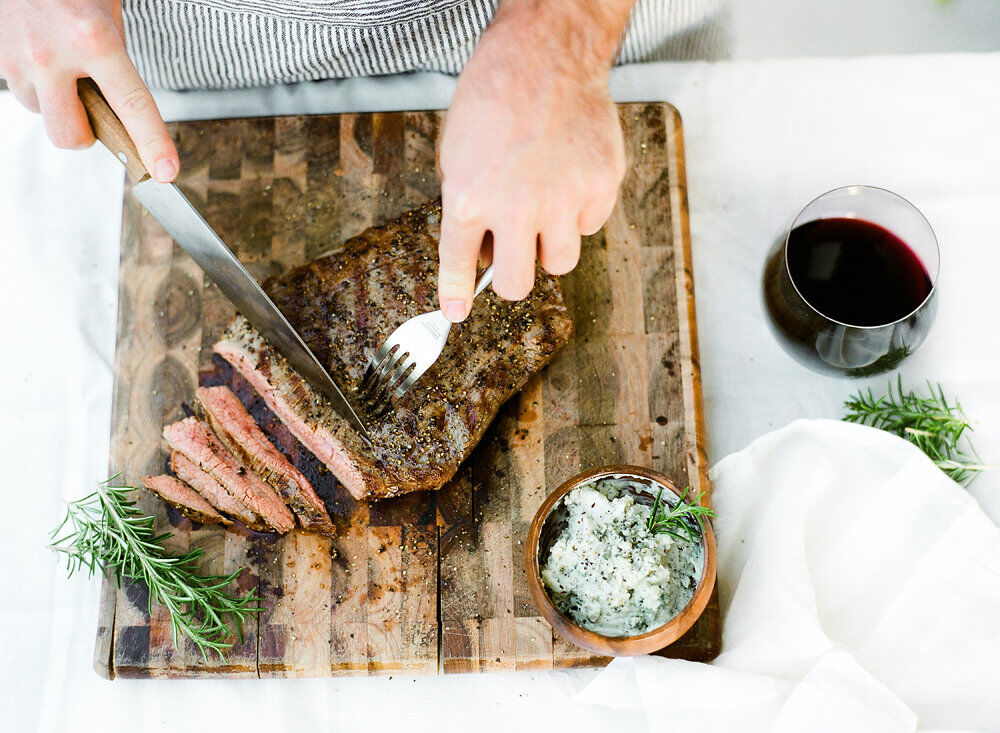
<point>218,44</point>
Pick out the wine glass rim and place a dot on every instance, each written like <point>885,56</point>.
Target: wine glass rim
<point>937,250</point>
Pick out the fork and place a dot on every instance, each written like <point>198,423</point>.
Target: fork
<point>409,351</point>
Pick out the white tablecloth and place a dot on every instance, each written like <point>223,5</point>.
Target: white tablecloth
<point>762,139</point>
<point>861,593</point>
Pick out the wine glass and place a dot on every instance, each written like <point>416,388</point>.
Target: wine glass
<point>851,287</point>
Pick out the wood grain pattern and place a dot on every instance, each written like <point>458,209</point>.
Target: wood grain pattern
<point>431,581</point>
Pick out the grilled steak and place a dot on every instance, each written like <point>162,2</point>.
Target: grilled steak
<point>233,425</point>
<point>214,493</point>
<point>192,438</point>
<point>190,503</point>
<point>345,304</point>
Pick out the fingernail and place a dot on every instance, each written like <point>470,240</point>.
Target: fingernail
<point>164,170</point>
<point>456,310</point>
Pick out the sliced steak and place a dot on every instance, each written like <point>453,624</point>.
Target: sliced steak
<point>190,503</point>
<point>214,493</point>
<point>307,415</point>
<point>345,304</point>
<point>192,438</point>
<point>237,430</point>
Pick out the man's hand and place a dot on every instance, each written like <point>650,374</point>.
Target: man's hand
<point>531,155</point>
<point>46,45</point>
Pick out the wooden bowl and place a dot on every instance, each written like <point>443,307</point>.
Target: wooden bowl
<point>542,533</point>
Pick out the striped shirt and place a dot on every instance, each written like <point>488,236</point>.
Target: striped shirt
<point>215,44</point>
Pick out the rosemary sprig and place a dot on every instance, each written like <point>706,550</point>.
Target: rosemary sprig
<point>107,530</point>
<point>680,517</point>
<point>929,421</point>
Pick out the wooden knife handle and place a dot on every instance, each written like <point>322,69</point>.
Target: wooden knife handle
<point>110,130</point>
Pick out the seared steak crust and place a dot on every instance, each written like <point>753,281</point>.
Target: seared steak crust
<point>345,304</point>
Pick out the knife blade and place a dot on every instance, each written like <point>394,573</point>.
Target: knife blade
<point>195,236</point>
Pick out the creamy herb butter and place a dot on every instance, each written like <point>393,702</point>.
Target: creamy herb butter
<point>607,572</point>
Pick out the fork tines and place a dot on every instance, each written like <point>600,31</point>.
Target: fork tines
<point>386,373</point>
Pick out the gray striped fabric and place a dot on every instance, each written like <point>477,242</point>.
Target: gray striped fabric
<point>214,44</point>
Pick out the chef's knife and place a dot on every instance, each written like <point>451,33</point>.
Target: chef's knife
<point>187,227</point>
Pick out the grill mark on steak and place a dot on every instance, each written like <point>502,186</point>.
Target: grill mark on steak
<point>214,492</point>
<point>192,438</point>
<point>190,503</point>
<point>237,430</point>
<point>345,304</point>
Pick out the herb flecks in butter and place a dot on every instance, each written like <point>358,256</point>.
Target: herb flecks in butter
<point>607,572</point>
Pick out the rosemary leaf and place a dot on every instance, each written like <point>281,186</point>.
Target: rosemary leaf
<point>683,521</point>
<point>930,421</point>
<point>106,530</point>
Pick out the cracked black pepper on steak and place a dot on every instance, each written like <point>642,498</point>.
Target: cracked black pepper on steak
<point>345,304</point>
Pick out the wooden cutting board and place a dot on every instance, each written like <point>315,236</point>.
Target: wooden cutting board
<point>431,582</point>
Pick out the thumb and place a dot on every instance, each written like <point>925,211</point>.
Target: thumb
<point>458,253</point>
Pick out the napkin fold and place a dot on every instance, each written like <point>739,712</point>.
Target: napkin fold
<point>860,591</point>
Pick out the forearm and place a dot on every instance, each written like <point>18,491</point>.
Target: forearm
<point>532,151</point>
<point>576,36</point>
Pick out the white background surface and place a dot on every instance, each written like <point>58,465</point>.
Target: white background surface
<point>762,139</point>
<point>794,28</point>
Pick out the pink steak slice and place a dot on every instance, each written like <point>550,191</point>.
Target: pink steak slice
<point>190,503</point>
<point>235,427</point>
<point>194,440</point>
<point>214,493</point>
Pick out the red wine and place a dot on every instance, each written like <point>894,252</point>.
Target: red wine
<point>856,272</point>
<point>847,271</point>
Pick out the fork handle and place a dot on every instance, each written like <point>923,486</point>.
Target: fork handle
<point>484,279</point>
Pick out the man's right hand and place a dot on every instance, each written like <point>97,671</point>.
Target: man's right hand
<point>46,45</point>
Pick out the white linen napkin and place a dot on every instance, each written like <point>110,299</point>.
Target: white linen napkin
<point>860,591</point>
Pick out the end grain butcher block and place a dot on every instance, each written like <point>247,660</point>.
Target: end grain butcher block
<point>430,581</point>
